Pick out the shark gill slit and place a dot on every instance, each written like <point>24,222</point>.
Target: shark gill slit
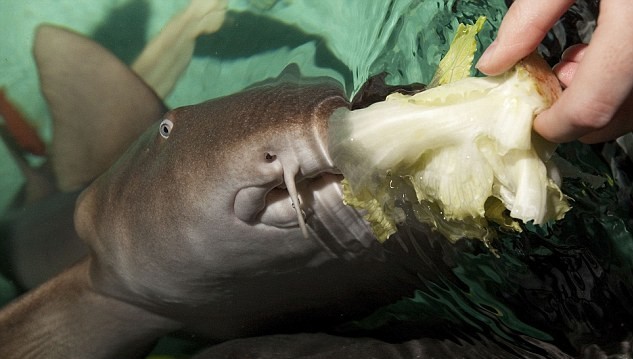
<point>289,179</point>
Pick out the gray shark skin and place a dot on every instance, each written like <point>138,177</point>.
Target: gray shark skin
<point>213,226</point>
<point>224,219</point>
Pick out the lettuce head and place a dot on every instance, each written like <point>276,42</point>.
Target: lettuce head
<point>455,156</point>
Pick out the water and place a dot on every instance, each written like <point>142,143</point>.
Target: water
<point>569,284</point>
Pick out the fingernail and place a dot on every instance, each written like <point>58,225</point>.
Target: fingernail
<point>487,55</point>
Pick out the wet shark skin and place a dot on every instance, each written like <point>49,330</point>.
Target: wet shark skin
<point>197,229</point>
<point>165,235</point>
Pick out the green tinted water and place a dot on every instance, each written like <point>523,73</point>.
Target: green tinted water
<point>565,282</point>
<point>348,40</point>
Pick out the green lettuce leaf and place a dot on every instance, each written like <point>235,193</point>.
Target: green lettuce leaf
<point>458,61</point>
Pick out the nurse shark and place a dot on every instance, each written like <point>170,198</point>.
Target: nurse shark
<point>224,219</point>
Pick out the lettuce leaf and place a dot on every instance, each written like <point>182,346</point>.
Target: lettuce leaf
<point>455,156</point>
<point>457,62</point>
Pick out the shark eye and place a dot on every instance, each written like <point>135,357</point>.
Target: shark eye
<point>165,128</point>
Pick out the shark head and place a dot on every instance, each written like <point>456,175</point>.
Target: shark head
<point>226,186</point>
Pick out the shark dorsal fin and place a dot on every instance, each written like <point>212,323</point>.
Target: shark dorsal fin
<point>99,106</point>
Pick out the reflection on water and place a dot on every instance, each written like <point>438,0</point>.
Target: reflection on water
<point>569,284</point>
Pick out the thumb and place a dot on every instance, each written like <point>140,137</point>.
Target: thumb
<point>597,104</point>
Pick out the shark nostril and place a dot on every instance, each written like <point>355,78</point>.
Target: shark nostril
<point>270,157</point>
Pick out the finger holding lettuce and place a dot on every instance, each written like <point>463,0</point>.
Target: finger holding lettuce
<point>597,104</point>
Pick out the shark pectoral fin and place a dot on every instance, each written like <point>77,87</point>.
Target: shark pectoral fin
<point>42,233</point>
<point>99,106</point>
<point>67,318</point>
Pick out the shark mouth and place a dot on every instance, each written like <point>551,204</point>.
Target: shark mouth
<point>296,177</point>
<point>290,203</point>
<point>284,195</point>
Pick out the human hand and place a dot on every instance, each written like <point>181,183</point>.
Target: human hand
<point>597,104</point>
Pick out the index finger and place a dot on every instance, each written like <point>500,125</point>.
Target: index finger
<point>522,29</point>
